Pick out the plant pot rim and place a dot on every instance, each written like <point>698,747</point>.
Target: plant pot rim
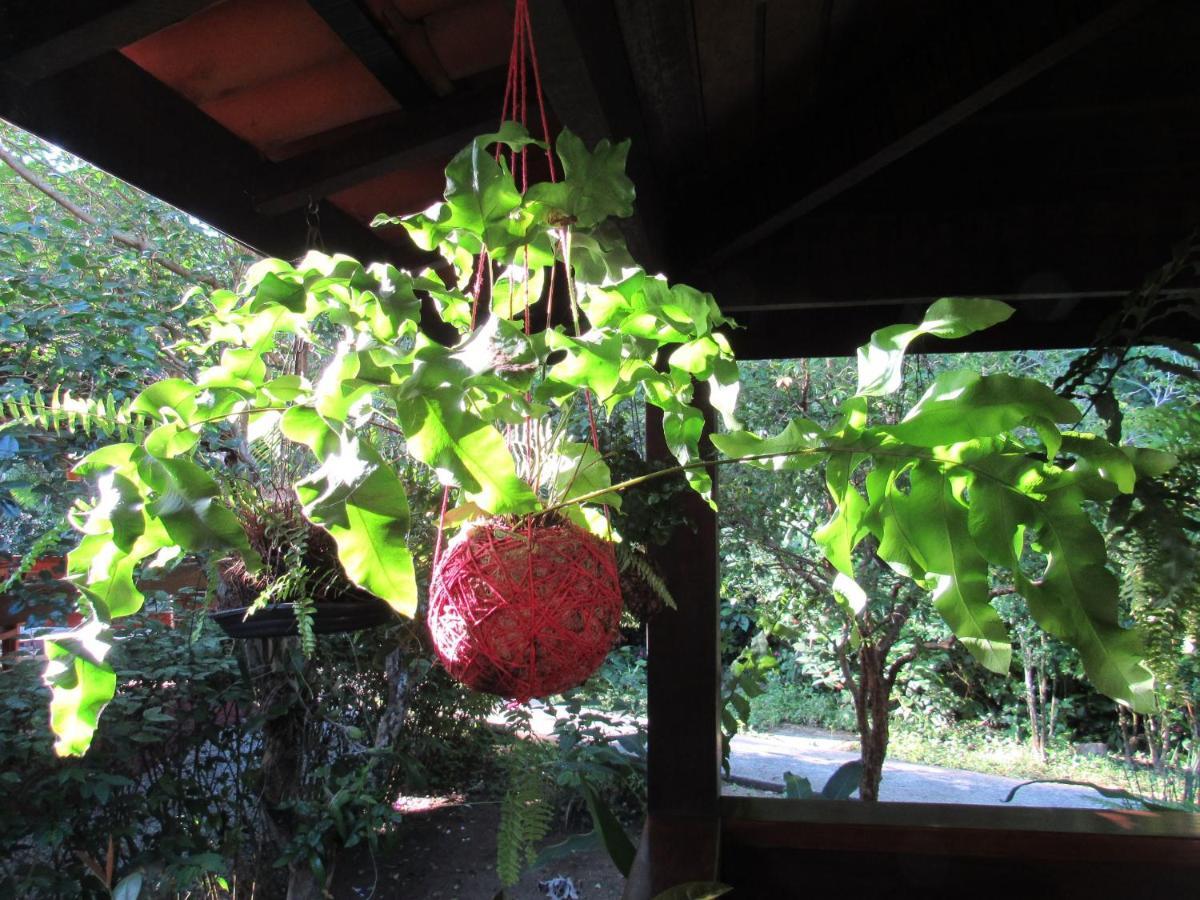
<point>279,620</point>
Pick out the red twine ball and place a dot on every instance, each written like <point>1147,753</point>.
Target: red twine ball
<point>524,610</point>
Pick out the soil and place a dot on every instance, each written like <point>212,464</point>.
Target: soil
<point>445,849</point>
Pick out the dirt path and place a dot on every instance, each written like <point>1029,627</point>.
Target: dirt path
<point>448,852</point>
<point>815,754</point>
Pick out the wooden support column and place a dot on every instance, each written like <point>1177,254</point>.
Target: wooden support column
<point>680,841</point>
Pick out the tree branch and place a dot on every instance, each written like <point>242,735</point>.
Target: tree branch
<point>903,660</point>
<point>120,237</point>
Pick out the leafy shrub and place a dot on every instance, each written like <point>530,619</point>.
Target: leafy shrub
<point>619,687</point>
<point>446,743</point>
<point>787,702</point>
<point>164,789</point>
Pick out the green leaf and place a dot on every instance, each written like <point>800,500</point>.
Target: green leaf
<point>480,192</point>
<point>797,787</point>
<point>844,781</point>
<point>848,591</point>
<point>1150,463</point>
<point>167,400</point>
<point>934,524</point>
<point>186,502</point>
<point>1097,458</point>
<point>170,440</point>
<point>129,887</point>
<point>962,405</point>
<point>599,257</point>
<point>723,387</point>
<point>842,533</point>
<point>592,361</point>
<point>1077,600</point>
<point>1002,502</point>
<point>1049,434</point>
<point>696,357</point>
<point>577,469</point>
<point>272,290</point>
<point>616,841</point>
<point>594,185</point>
<point>104,573</point>
<point>81,685</point>
<point>880,361</point>
<point>358,498</point>
<point>516,289</point>
<point>792,446</point>
<point>122,501</point>
<point>464,450</point>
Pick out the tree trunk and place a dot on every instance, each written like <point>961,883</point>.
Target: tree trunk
<point>871,708</point>
<point>282,769</point>
<point>391,721</point>
<point>1031,703</point>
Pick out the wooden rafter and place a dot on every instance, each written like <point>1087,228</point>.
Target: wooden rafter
<point>70,42</point>
<point>369,42</point>
<point>115,115</point>
<point>1064,265</point>
<point>863,134</point>
<point>389,143</point>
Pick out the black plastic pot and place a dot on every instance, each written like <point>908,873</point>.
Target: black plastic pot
<point>280,620</point>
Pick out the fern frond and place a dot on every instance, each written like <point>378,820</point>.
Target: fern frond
<point>304,611</point>
<point>526,814</point>
<point>102,416</point>
<point>631,560</point>
<point>36,551</point>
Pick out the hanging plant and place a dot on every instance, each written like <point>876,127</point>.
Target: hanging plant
<point>501,414</point>
<point>555,325</point>
<point>300,590</point>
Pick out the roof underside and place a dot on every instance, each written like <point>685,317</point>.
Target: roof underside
<point>825,166</point>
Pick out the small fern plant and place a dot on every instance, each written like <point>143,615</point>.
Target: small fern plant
<point>526,810</point>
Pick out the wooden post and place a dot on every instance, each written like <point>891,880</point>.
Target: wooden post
<point>679,843</point>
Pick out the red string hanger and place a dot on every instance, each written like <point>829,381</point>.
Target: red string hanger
<point>524,607</point>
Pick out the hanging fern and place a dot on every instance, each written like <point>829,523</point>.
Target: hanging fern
<point>285,539</point>
<point>525,813</point>
<point>94,416</point>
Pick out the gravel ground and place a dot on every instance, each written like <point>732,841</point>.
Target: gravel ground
<point>816,754</point>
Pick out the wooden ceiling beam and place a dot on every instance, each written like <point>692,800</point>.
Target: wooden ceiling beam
<point>660,45</point>
<point>588,81</point>
<point>388,144</point>
<point>970,63</point>
<point>1065,266</point>
<point>71,42</point>
<point>116,116</point>
<point>368,41</point>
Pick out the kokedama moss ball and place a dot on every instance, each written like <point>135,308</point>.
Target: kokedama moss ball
<point>524,608</point>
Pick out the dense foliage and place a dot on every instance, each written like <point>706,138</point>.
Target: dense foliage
<point>87,305</point>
